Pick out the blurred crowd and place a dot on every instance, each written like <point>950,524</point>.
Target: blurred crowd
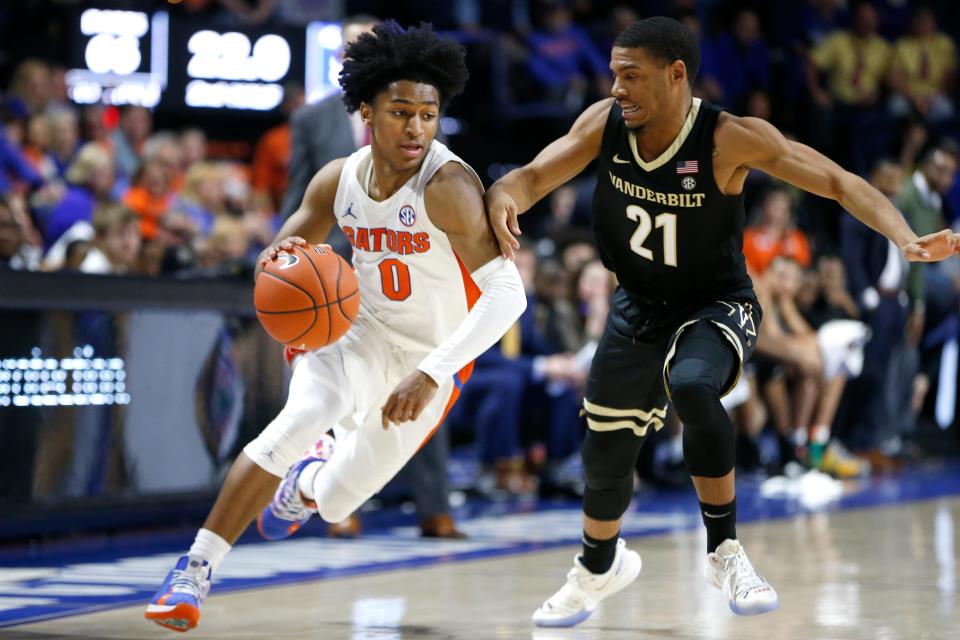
<point>855,346</point>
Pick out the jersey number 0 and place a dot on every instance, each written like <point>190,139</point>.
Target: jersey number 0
<point>666,220</point>
<point>395,279</point>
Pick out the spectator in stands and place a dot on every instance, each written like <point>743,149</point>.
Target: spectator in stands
<point>150,196</point>
<point>16,252</point>
<point>116,243</point>
<point>13,120</point>
<point>31,85</point>
<point>563,59</point>
<point>554,307</point>
<point>202,198</point>
<point>576,249</point>
<point>832,299</point>
<point>856,63</point>
<point>74,255</point>
<point>774,235</point>
<point>36,142</point>
<point>193,148</point>
<point>164,148</point>
<point>739,60</point>
<point>64,137</point>
<point>93,127</point>
<point>877,278</point>
<point>229,240</point>
<point>923,66</point>
<point>136,124</point>
<point>89,184</point>
<point>818,19</point>
<point>814,364</point>
<point>594,287</point>
<point>14,164</point>
<point>921,202</point>
<point>756,104</point>
<point>225,252</point>
<point>271,158</point>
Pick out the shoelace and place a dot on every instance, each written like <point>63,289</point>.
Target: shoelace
<point>187,581</point>
<point>742,576</point>
<point>290,505</point>
<point>563,596</point>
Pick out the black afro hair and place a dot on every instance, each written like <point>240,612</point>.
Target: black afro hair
<point>393,53</point>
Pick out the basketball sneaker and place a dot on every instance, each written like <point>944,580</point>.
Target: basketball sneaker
<point>289,510</point>
<point>577,599</point>
<point>729,569</point>
<point>177,604</point>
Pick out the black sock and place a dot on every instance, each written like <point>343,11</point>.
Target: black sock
<point>788,449</point>
<point>598,555</point>
<point>720,521</point>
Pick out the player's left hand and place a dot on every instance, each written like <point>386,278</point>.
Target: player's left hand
<point>932,248</point>
<point>409,398</point>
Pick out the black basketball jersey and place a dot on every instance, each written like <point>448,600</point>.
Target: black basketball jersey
<point>664,227</point>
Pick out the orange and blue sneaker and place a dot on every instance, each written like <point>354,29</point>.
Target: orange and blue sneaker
<point>177,604</point>
<point>289,510</point>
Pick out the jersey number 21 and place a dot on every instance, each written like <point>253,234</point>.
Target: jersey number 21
<point>645,224</point>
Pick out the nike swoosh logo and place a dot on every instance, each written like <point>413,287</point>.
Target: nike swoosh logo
<point>722,515</point>
<point>618,160</point>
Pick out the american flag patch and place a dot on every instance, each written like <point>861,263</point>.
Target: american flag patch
<point>687,166</point>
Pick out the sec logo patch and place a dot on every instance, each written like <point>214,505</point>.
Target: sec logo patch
<point>407,215</point>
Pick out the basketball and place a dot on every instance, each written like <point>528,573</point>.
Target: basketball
<point>307,298</point>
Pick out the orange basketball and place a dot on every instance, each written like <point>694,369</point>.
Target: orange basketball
<point>307,298</point>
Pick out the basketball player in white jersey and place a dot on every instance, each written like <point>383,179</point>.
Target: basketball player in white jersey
<point>423,252</point>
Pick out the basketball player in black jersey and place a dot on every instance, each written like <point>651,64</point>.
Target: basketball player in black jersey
<point>668,216</point>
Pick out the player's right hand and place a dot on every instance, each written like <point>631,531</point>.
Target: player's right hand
<point>502,213</point>
<point>287,244</point>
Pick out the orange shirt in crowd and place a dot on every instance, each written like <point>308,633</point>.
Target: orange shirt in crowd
<point>271,159</point>
<point>760,248</point>
<point>149,208</point>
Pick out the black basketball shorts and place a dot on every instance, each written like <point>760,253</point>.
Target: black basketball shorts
<point>627,384</point>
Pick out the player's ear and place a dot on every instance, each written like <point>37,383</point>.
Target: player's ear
<point>678,71</point>
<point>366,113</point>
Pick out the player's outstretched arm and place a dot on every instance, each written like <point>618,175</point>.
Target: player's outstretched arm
<point>756,144</point>
<point>312,222</point>
<point>559,161</point>
<point>455,205</point>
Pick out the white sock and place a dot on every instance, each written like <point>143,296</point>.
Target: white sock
<point>307,475</point>
<point>210,547</point>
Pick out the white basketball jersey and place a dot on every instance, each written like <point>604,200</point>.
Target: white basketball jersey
<point>412,285</point>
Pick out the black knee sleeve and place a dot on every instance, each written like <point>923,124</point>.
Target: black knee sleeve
<point>699,373</point>
<point>608,462</point>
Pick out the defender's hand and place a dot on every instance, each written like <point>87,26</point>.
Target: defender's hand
<point>502,213</point>
<point>932,248</point>
<point>409,399</point>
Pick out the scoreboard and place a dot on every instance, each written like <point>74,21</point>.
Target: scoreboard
<point>183,65</point>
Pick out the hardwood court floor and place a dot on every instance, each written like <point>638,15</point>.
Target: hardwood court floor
<point>880,574</point>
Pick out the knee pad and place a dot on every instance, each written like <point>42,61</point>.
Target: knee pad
<point>609,458</point>
<point>698,376</point>
<point>308,414</point>
<point>708,434</point>
<point>694,392</point>
<point>274,452</point>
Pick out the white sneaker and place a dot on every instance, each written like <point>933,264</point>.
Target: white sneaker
<point>577,599</point>
<point>729,569</point>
